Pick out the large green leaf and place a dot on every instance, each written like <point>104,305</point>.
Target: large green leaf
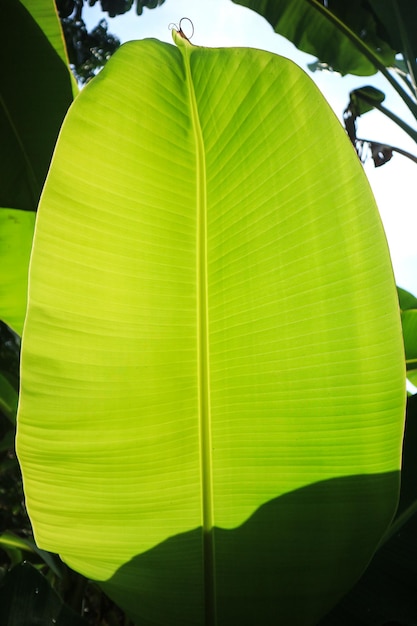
<point>212,401</point>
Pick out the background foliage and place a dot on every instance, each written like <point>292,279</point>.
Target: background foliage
<point>89,50</point>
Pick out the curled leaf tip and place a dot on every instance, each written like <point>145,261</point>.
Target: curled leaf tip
<point>178,33</point>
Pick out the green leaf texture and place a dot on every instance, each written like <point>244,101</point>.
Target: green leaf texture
<point>408,306</point>
<point>307,25</point>
<point>16,234</point>
<point>212,372</point>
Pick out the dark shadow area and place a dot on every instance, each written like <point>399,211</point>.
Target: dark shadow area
<point>27,599</point>
<point>37,91</point>
<point>287,565</point>
<point>386,594</point>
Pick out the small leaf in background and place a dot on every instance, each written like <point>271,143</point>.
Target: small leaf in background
<point>362,101</point>
<point>365,99</point>
<point>409,322</point>
<point>16,235</point>
<point>412,376</point>
<point>408,306</point>
<point>8,399</point>
<point>406,299</point>
<point>9,541</point>
<point>9,355</point>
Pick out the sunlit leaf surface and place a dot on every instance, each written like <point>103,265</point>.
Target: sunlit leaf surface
<point>213,386</point>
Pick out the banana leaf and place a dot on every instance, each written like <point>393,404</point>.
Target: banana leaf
<point>35,94</point>
<point>16,235</point>
<point>45,14</point>
<point>398,20</point>
<point>408,306</point>
<point>213,380</point>
<point>26,597</point>
<point>307,26</point>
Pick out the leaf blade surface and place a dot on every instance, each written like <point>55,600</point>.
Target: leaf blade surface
<point>209,292</point>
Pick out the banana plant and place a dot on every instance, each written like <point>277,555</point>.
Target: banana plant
<point>213,385</point>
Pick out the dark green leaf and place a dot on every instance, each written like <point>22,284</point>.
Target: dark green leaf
<point>408,305</point>
<point>7,441</point>
<point>365,99</point>
<point>406,299</point>
<point>10,541</point>
<point>9,371</point>
<point>412,376</point>
<point>302,23</point>
<point>27,599</point>
<point>408,495</point>
<point>9,354</point>
<point>35,92</point>
<point>8,399</point>
<point>386,15</point>
<point>409,322</point>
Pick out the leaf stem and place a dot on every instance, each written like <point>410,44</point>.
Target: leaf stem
<point>411,132</point>
<point>203,356</point>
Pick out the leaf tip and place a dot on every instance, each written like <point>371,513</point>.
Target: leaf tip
<point>178,35</point>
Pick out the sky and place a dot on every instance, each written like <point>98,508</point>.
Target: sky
<point>223,23</point>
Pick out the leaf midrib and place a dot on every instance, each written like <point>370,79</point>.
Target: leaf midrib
<point>203,355</point>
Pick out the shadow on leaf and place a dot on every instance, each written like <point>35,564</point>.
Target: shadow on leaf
<point>288,564</point>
